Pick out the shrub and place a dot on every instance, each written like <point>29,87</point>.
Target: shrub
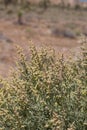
<point>77,7</point>
<point>44,4</point>
<point>19,17</point>
<point>45,93</point>
<point>7,2</point>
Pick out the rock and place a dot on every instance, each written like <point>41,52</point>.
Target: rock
<point>64,33</point>
<point>69,34</point>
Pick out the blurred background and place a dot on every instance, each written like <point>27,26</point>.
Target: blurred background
<point>51,23</point>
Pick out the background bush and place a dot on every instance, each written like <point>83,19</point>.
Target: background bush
<point>45,93</point>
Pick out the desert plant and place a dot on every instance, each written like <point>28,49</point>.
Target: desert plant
<point>19,16</point>
<point>7,2</point>
<point>44,4</point>
<point>45,93</point>
<point>62,3</point>
<point>77,7</point>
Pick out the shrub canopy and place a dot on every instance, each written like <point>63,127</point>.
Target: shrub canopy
<point>45,93</point>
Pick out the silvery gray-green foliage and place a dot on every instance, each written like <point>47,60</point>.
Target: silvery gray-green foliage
<point>45,93</point>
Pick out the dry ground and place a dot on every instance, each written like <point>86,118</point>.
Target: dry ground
<point>38,26</point>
